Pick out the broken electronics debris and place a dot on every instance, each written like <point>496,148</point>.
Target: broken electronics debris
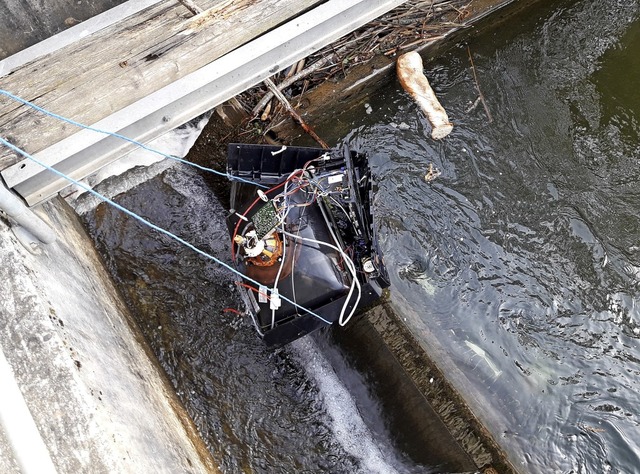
<point>302,235</point>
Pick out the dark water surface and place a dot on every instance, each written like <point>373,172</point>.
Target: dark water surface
<point>521,262</point>
<point>259,410</point>
<point>519,265</point>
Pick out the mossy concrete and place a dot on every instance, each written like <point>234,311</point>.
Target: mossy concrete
<point>417,396</point>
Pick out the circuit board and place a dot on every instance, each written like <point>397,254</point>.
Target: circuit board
<point>265,219</point>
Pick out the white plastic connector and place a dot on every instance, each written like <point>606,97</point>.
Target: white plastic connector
<point>274,300</point>
<point>274,153</point>
<point>263,294</point>
<point>262,195</point>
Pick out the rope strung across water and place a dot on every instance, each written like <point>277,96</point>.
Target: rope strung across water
<point>121,137</point>
<point>130,213</point>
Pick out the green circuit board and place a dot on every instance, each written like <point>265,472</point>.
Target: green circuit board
<point>265,219</point>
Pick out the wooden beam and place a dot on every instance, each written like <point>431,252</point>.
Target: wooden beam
<point>119,65</point>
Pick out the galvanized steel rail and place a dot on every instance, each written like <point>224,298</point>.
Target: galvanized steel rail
<point>192,94</point>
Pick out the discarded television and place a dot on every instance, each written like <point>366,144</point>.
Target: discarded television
<point>301,235</point>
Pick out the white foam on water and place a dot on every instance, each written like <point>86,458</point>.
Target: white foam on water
<point>347,425</point>
<point>176,142</point>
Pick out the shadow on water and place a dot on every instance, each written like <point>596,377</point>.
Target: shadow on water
<point>522,258</point>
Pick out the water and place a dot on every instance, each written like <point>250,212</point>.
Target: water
<point>521,261</point>
<point>258,410</point>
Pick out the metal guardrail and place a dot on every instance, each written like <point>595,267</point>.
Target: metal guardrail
<point>85,152</point>
<point>16,210</point>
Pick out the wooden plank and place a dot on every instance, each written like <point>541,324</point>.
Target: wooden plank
<point>107,71</point>
<point>85,151</point>
<point>27,22</point>
<point>70,35</point>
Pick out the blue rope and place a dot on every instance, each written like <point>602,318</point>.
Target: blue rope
<point>122,137</point>
<point>149,224</point>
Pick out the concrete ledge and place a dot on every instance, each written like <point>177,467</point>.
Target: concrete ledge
<point>416,394</point>
<point>98,399</point>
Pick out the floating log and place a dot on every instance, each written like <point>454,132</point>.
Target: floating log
<point>410,73</point>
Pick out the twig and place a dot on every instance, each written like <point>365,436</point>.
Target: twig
<point>473,106</point>
<point>475,78</point>
<point>192,7</point>
<point>287,82</point>
<point>420,41</point>
<point>283,100</point>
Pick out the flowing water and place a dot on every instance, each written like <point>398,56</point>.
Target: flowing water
<point>519,263</point>
<point>259,410</point>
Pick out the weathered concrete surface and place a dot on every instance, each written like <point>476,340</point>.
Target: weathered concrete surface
<point>99,401</point>
<point>26,22</point>
<point>8,463</point>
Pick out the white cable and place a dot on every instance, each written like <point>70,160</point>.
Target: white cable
<point>354,274</point>
<point>353,271</point>
<point>284,250</point>
<point>275,283</point>
<point>255,324</point>
<point>282,217</point>
<point>355,283</point>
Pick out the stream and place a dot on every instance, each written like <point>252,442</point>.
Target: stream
<point>520,262</point>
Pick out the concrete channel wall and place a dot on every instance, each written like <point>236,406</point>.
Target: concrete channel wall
<point>93,392</point>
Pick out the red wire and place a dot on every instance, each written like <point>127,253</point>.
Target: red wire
<point>235,231</point>
<point>239,283</point>
<point>291,176</point>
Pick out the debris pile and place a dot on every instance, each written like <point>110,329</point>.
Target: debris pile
<point>407,27</point>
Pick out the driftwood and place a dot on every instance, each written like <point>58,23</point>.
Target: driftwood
<point>413,80</point>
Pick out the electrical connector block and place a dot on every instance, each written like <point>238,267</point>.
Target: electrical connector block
<point>274,300</point>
